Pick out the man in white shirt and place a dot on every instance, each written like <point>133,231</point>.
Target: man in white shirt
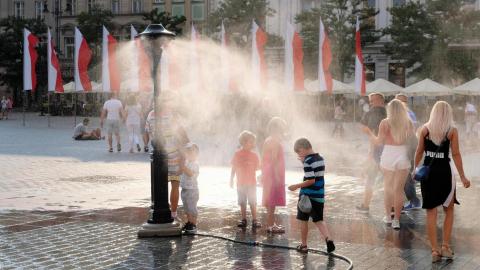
<point>114,113</point>
<point>470,118</point>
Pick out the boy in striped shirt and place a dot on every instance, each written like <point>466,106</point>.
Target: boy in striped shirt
<point>313,187</point>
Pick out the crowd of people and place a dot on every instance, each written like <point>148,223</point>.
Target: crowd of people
<point>397,146</point>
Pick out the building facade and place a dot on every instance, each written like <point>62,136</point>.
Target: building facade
<point>61,17</point>
<point>378,65</point>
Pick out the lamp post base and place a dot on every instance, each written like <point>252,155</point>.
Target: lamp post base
<point>162,229</point>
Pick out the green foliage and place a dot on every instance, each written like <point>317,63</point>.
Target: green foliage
<point>171,23</point>
<point>90,24</point>
<point>237,16</point>
<point>339,19</point>
<point>11,53</point>
<point>429,38</point>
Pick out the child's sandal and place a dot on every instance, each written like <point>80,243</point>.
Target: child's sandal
<point>242,223</point>
<point>302,248</point>
<point>436,256</point>
<point>256,224</point>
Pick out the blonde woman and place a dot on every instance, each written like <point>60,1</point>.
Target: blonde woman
<point>436,139</point>
<point>393,133</point>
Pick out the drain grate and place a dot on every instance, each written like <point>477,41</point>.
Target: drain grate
<point>98,179</point>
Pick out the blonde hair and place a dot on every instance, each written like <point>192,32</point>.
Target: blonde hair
<point>440,122</point>
<point>398,120</point>
<point>302,143</point>
<point>276,125</point>
<point>245,136</point>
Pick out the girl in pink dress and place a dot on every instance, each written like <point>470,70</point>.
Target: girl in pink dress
<point>273,172</point>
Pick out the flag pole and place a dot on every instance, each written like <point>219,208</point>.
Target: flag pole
<point>74,109</point>
<point>48,108</point>
<point>354,108</point>
<point>24,101</point>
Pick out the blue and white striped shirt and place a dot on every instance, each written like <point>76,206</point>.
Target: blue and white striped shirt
<point>314,168</point>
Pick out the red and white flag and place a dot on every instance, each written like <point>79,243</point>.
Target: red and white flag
<point>30,57</point>
<point>55,82</point>
<point>194,68</point>
<point>259,65</point>
<point>359,66</point>
<point>142,67</point>
<point>324,60</point>
<point>133,33</point>
<point>110,74</point>
<point>224,61</point>
<point>83,54</point>
<point>293,59</point>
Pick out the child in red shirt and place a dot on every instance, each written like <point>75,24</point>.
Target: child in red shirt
<point>245,163</point>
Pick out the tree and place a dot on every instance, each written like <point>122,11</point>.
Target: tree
<point>237,16</point>
<point>172,23</point>
<point>339,19</point>
<point>11,53</point>
<point>428,39</point>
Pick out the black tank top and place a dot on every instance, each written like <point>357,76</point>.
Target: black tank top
<point>440,153</point>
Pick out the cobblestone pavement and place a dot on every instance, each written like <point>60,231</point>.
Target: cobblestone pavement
<point>72,205</point>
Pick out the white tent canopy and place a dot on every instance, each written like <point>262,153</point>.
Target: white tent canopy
<point>469,88</point>
<point>70,88</point>
<point>337,88</point>
<point>427,88</point>
<point>383,86</point>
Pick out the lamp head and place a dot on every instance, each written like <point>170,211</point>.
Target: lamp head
<point>154,31</point>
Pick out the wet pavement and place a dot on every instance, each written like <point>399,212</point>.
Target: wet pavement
<point>72,205</point>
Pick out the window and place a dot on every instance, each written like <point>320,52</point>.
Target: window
<point>137,6</point>
<point>115,6</point>
<point>371,3</point>
<point>159,7</point>
<point>396,74</point>
<point>19,9</point>
<point>307,5</point>
<point>90,5</point>
<point>39,9</point>
<point>397,3</point>
<point>69,47</point>
<point>370,72</point>
<point>178,9</point>
<point>198,11</point>
<point>71,8</point>
<point>158,1</point>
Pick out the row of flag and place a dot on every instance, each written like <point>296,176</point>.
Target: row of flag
<point>293,59</point>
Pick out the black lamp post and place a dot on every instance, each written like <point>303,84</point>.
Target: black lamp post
<point>160,222</point>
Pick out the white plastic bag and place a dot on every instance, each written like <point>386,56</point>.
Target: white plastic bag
<point>304,204</point>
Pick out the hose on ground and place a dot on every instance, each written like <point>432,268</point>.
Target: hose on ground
<point>261,244</point>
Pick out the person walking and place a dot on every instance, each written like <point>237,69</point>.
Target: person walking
<point>470,119</point>
<point>372,120</point>
<point>132,114</point>
<point>339,115</point>
<point>437,137</point>
<point>413,202</point>
<point>393,133</point>
<point>114,113</point>
<point>4,108</point>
